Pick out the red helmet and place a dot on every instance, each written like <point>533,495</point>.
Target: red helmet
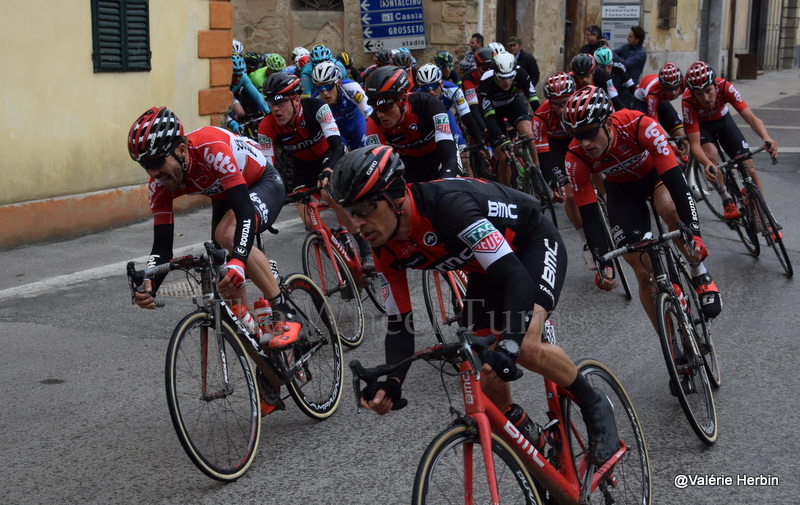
<point>700,75</point>
<point>386,82</point>
<point>154,134</point>
<point>559,84</point>
<point>670,76</point>
<point>589,105</point>
<point>366,173</point>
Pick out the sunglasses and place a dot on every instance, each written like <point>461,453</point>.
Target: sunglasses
<point>362,209</point>
<point>326,87</point>
<point>154,163</point>
<point>588,134</point>
<point>385,106</point>
<point>430,87</point>
<point>279,101</point>
<point>506,77</point>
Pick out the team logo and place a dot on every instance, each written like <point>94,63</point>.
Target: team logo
<point>324,114</point>
<point>482,237</point>
<point>460,101</point>
<point>442,123</point>
<point>359,97</point>
<point>430,239</point>
<point>302,123</point>
<point>372,140</point>
<point>413,126</point>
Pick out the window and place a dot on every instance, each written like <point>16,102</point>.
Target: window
<point>318,5</point>
<point>120,35</point>
<point>667,13</point>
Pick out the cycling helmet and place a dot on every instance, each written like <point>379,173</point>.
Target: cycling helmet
<point>154,134</point>
<point>603,56</point>
<point>320,53</point>
<point>327,71</point>
<point>589,105</point>
<point>443,60</point>
<point>558,85</point>
<point>275,62</point>
<point>670,76</point>
<point>383,57</point>
<point>402,59</point>
<point>700,75</point>
<point>298,52</point>
<point>386,83</point>
<point>239,66</point>
<point>505,64</point>
<point>253,61</point>
<point>237,47</point>
<point>582,64</point>
<point>281,85</point>
<point>429,74</point>
<point>366,173</point>
<point>484,58</point>
<point>302,61</point>
<point>497,47</point>
<point>345,58</point>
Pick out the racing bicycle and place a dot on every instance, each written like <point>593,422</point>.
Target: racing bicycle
<point>527,177</point>
<point>444,294</point>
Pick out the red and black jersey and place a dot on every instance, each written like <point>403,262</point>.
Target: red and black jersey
<point>470,84</point>
<point>424,123</point>
<point>306,136</point>
<point>694,113</point>
<point>547,125</point>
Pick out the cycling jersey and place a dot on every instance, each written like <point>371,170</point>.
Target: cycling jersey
<point>249,96</point>
<point>422,137</point>
<point>454,95</point>
<point>547,125</point>
<point>695,114</point>
<point>350,112</point>
<point>651,99</point>
<point>498,104</point>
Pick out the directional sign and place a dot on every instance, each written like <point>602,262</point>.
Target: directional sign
<point>391,24</point>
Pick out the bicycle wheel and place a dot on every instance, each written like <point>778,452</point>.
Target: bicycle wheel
<point>702,328</point>
<point>745,224</point>
<point>620,272</point>
<point>763,218</point>
<point>707,191</point>
<point>687,373</point>
<point>444,301</point>
<point>452,471</point>
<point>541,189</point>
<point>212,397</point>
<point>631,481</point>
<point>316,387</point>
<point>340,289</point>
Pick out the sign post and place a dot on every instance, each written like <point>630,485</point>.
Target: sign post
<point>618,18</point>
<point>392,24</point>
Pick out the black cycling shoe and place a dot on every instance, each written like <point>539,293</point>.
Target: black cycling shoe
<point>603,436</point>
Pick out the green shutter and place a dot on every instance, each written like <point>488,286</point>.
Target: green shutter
<point>121,35</point>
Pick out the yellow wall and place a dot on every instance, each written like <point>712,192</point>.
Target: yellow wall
<point>64,128</point>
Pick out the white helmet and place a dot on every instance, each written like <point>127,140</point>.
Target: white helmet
<point>429,74</point>
<point>506,64</point>
<point>237,47</point>
<point>326,71</point>
<point>298,52</point>
<point>497,46</point>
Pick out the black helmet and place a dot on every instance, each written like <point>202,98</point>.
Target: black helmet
<point>383,57</point>
<point>365,174</point>
<point>484,58</point>
<point>281,85</point>
<point>402,59</point>
<point>386,83</point>
<point>582,64</point>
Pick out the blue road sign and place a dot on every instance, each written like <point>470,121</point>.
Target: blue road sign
<point>391,24</point>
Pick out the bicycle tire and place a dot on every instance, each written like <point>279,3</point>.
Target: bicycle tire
<point>745,224</point>
<point>708,190</point>
<point>317,387</point>
<point>620,272</point>
<point>440,474</point>
<point>631,480</point>
<point>343,298</point>
<point>443,306</point>
<point>702,327</point>
<point>539,186</point>
<point>677,342</point>
<point>763,216</point>
<point>219,427</point>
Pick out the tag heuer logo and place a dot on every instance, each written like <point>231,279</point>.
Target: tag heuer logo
<point>482,237</point>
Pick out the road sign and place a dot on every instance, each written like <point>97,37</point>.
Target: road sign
<point>391,24</point>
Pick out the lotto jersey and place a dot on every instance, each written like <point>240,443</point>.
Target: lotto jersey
<point>694,113</point>
<point>546,125</point>
<point>218,160</point>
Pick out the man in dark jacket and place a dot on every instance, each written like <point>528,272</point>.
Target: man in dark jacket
<point>633,54</point>
<point>524,60</point>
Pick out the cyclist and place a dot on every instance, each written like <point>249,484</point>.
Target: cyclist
<point>484,61</point>
<point>253,61</point>
<point>297,52</point>
<point>516,262</point>
<point>585,72</point>
<point>631,151</point>
<point>382,58</point>
<point>318,54</point>
<point>706,118</point>
<point>430,80</point>
<point>444,60</point>
<point>552,138</point>
<point>499,95</point>
<point>654,94</point>
<point>347,101</point>
<point>273,62</point>
<point>347,61</point>
<point>247,100</point>
<point>305,129</point>
<point>614,67</point>
<point>237,47</point>
<point>246,197</point>
<point>404,60</point>
<point>415,124</point>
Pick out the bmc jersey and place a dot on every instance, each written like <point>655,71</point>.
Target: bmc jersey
<point>470,85</point>
<point>694,114</point>
<point>218,160</point>
<point>547,125</point>
<point>304,137</point>
<point>640,146</point>
<point>424,123</point>
<point>465,224</point>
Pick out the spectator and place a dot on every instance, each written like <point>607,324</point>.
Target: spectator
<point>594,39</point>
<point>475,43</point>
<point>524,60</point>
<point>633,54</point>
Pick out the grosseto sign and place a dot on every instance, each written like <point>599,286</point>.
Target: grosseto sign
<point>391,24</point>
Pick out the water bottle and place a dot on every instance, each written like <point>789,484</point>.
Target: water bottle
<point>241,312</point>
<point>679,292</point>
<point>525,425</point>
<point>264,319</point>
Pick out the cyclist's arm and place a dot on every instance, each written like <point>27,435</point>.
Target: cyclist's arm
<point>443,135</point>
<point>331,131</point>
<point>254,95</point>
<point>523,81</point>
<point>758,127</point>
<point>487,108</point>
<point>356,93</point>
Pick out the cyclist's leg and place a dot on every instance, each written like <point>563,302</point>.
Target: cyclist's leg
<point>304,175</point>
<point>733,143</point>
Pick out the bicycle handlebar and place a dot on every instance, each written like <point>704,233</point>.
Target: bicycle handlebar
<point>749,154</point>
<point>641,245</point>
<point>301,195</point>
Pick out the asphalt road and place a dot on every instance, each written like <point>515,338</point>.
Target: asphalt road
<point>85,418</point>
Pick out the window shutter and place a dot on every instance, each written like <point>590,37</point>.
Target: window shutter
<point>121,35</point>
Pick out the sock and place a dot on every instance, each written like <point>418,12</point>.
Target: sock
<point>699,269</point>
<point>583,392</point>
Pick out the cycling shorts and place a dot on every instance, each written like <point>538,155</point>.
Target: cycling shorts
<point>267,195</point>
<point>725,131</point>
<point>667,115</point>
<point>628,210</point>
<point>305,173</point>
<point>513,112</point>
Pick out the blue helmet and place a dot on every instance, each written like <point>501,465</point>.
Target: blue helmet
<point>320,53</point>
<point>239,66</point>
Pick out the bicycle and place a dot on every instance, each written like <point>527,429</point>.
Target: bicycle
<point>683,330</point>
<point>483,458</point>
<point>755,216</point>
<point>527,177</point>
<point>609,233</point>
<point>216,369</point>
<point>444,294</point>
<point>329,257</point>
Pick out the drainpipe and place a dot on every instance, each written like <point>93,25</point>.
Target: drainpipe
<point>730,40</point>
<point>480,17</point>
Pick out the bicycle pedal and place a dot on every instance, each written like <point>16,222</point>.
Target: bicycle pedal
<point>290,334</point>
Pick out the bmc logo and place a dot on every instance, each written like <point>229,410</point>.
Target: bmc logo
<point>502,209</point>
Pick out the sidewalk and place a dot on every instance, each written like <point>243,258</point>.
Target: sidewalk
<point>769,87</point>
